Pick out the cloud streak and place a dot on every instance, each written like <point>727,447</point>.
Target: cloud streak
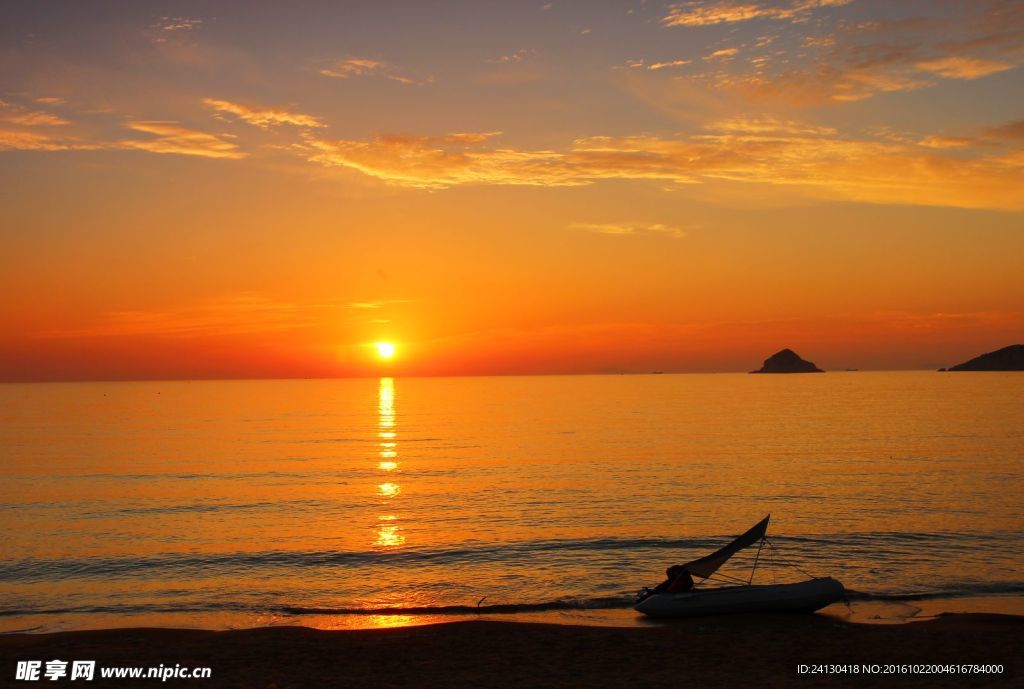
<point>816,160</point>
<point>13,140</point>
<point>25,117</point>
<point>704,13</point>
<point>170,137</point>
<point>630,228</point>
<point>240,314</point>
<point>262,116</point>
<point>365,67</point>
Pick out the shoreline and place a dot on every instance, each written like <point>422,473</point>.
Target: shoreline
<point>857,611</point>
<point>739,650</point>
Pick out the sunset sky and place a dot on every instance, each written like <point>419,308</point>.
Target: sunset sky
<point>242,189</point>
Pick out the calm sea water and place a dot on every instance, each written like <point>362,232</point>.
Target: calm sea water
<point>237,503</point>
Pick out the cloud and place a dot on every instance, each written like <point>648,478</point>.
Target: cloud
<point>16,114</point>
<point>230,315</point>
<point>353,67</point>
<point>1009,131</point>
<point>708,13</point>
<point>655,66</point>
<point>11,140</point>
<point>173,138</point>
<point>630,228</point>
<point>263,117</point>
<point>815,160</point>
<point>517,56</point>
<point>177,23</point>
<point>376,304</point>
<point>768,125</point>
<point>946,142</point>
<point>834,60</point>
<point>366,67</point>
<point>439,161</point>
<point>962,67</point>
<point>722,54</point>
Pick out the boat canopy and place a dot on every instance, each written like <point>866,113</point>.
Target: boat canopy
<point>705,566</point>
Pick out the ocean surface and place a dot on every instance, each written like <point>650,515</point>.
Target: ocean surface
<point>339,503</point>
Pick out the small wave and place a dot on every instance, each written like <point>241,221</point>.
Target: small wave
<point>883,547</point>
<point>605,603</point>
<point>608,603</point>
<point>972,590</point>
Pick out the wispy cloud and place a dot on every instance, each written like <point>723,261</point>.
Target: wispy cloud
<point>710,12</point>
<point>655,66</point>
<point>958,67</point>
<point>814,59</point>
<point>177,23</point>
<point>12,140</point>
<point>375,304</point>
<point>262,116</point>
<point>768,125</point>
<point>517,56</point>
<point>229,315</point>
<point>367,67</point>
<point>173,138</point>
<point>804,157</point>
<point>26,117</point>
<point>722,54</point>
<point>630,228</point>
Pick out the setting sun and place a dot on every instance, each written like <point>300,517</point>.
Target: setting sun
<point>385,350</point>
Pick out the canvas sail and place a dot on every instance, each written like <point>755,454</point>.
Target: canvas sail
<point>706,566</point>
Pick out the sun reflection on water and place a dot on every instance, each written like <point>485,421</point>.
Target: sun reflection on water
<point>388,490</point>
<point>388,534</point>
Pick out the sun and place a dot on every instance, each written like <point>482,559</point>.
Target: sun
<point>385,350</point>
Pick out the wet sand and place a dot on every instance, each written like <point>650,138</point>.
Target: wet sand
<point>733,651</point>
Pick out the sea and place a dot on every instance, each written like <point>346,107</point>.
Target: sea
<point>395,501</point>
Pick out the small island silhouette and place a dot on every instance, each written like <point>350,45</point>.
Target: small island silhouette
<point>787,361</point>
<point>1006,359</point>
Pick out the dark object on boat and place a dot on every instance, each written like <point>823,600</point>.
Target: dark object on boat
<point>787,361</point>
<point>1006,359</point>
<point>804,596</point>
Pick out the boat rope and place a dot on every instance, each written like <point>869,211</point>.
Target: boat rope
<point>726,578</point>
<point>756,558</point>
<point>785,561</point>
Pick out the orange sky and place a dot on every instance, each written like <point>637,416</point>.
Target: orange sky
<point>235,189</point>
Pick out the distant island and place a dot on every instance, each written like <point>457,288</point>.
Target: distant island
<point>787,361</point>
<point>1006,359</point>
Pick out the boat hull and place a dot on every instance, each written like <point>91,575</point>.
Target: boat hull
<point>805,596</point>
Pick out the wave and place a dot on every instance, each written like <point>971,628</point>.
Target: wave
<point>970,590</point>
<point>816,551</point>
<point>618,602</point>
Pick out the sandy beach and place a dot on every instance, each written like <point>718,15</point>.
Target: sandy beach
<point>721,652</point>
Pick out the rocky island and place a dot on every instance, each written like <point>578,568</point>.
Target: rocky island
<point>787,361</point>
<point>1006,359</point>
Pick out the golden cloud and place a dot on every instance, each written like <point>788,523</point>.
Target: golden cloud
<point>813,159</point>
<point>361,67</point>
<point>16,114</point>
<point>230,315</point>
<point>962,67</point>
<point>12,140</point>
<point>173,138</point>
<point>700,13</point>
<point>722,54</point>
<point>262,117</point>
<point>853,61</point>
<point>655,66</point>
<point>630,228</point>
